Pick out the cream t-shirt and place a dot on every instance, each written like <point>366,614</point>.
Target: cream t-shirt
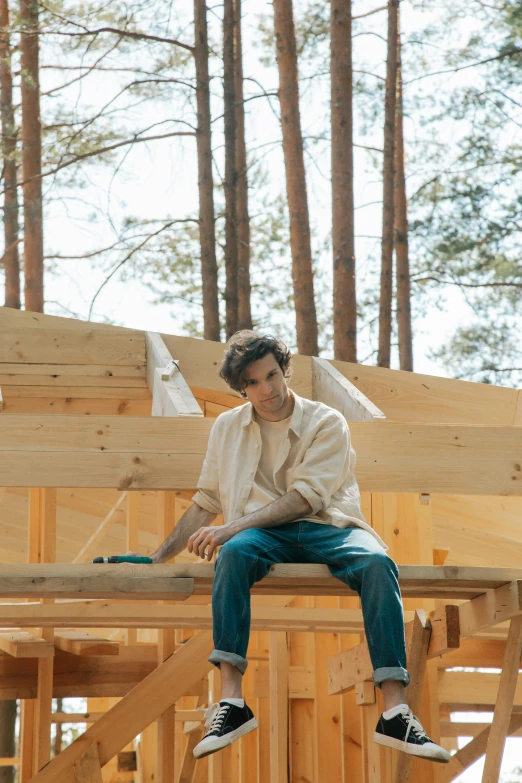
<point>264,491</point>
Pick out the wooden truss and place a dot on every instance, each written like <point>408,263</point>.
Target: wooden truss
<point>108,427</point>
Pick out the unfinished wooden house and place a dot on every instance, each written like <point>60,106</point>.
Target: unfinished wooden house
<point>102,435</point>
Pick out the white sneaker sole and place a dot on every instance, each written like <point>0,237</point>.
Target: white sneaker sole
<point>206,747</point>
<point>429,751</point>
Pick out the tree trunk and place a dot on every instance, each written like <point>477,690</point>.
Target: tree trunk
<point>244,314</point>
<point>300,244</point>
<point>385,306</point>
<point>207,225</point>
<point>229,100</point>
<point>401,233</point>
<point>343,240</point>
<point>32,157</point>
<point>7,738</point>
<point>11,255</point>
<point>59,731</point>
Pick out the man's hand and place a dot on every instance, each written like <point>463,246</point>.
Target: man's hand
<point>210,537</point>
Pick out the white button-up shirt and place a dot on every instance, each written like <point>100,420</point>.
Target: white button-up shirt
<point>316,459</point>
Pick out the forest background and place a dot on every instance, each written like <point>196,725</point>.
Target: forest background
<point>344,174</point>
<point>121,148</point>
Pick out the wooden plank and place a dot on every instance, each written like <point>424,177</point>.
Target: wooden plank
<point>161,582</point>
<point>413,397</point>
<point>417,657</point>
<point>81,643</point>
<point>392,457</point>
<point>332,388</point>
<point>87,769</point>
<point>22,644</point>
<point>171,395</point>
<point>73,385</point>
<point>354,665</point>
<point>144,615</point>
<point>113,392</point>
<point>137,710</point>
<point>84,373</point>
<point>278,667</point>
<point>100,435</point>
<point>54,340</point>
<point>504,703</point>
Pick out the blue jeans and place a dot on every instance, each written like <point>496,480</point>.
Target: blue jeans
<point>353,555</point>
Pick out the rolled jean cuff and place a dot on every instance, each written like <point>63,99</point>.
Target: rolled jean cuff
<point>219,656</point>
<point>390,673</point>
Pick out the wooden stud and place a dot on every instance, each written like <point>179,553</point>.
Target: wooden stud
<point>44,695</point>
<point>278,664</point>
<point>504,703</point>
<point>417,657</point>
<point>22,644</point>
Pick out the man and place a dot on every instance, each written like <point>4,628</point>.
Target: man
<point>281,471</point>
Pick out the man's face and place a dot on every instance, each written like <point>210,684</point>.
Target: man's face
<point>265,385</point>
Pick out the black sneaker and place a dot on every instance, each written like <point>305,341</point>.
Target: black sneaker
<point>404,732</point>
<point>225,723</point>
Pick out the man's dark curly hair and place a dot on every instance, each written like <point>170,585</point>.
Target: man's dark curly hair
<point>246,347</point>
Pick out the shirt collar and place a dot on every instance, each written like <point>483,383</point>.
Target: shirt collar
<point>247,414</point>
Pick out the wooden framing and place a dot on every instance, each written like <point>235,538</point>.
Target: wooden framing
<point>439,463</point>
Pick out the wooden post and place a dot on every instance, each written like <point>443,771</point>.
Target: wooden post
<point>132,543</point>
<point>416,666</point>
<point>278,663</point>
<point>504,703</point>
<point>166,511</point>
<point>27,710</point>
<point>44,696</point>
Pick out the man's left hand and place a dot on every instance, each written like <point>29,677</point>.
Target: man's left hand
<point>210,537</point>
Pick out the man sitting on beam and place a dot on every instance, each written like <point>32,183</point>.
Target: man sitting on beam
<point>281,471</point>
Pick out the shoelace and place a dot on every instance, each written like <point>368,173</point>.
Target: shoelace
<point>414,725</point>
<point>215,715</point>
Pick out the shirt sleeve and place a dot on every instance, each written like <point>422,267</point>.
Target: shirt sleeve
<point>327,463</point>
<point>207,495</point>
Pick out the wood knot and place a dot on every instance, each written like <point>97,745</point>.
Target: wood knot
<point>396,531</point>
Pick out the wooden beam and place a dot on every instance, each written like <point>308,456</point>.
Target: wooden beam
<point>171,395</point>
<point>81,643</point>
<point>144,615</point>
<point>168,454</point>
<point>332,388</point>
<point>504,703</point>
<point>164,582</point>
<point>475,690</point>
<point>417,657</point>
<point>22,644</point>
<point>133,713</point>
<point>414,397</point>
<point>354,665</point>
<point>278,668</point>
